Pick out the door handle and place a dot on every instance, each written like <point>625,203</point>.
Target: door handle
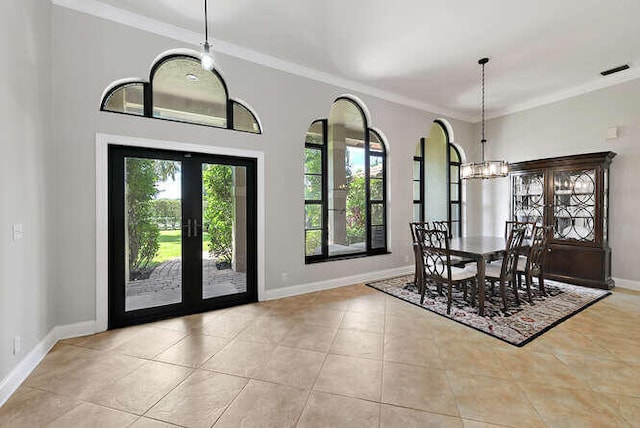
<point>195,228</point>
<point>188,226</point>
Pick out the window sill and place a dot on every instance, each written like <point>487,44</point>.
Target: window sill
<point>345,257</point>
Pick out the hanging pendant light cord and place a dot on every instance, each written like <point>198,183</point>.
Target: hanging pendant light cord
<point>206,23</point>
<point>483,140</point>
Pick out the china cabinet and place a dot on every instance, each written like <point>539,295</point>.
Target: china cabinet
<point>570,193</point>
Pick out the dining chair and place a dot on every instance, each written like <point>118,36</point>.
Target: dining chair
<point>436,264</point>
<point>533,265</point>
<point>417,276</point>
<point>445,226</point>
<point>505,273</point>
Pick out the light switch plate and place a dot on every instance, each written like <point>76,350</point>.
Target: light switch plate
<point>17,232</point>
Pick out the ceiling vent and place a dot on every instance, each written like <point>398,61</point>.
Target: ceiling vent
<point>615,70</point>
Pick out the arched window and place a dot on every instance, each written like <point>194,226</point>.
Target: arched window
<point>437,188</point>
<point>345,186</point>
<point>180,90</point>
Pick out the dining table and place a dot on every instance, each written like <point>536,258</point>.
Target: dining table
<point>481,249</point>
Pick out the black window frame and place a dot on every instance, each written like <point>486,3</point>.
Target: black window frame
<point>453,205</point>
<point>369,251</point>
<point>148,97</point>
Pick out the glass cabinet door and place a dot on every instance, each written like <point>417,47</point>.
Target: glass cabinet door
<point>574,205</point>
<point>528,197</point>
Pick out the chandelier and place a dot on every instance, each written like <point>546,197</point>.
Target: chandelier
<point>484,169</point>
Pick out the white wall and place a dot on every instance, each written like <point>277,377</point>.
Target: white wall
<point>25,177</point>
<point>90,53</point>
<point>577,125</point>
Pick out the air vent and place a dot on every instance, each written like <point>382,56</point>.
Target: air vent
<point>615,70</point>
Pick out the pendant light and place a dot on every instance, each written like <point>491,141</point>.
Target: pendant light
<point>484,169</point>
<point>206,60</point>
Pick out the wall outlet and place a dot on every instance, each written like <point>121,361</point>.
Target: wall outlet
<point>17,345</point>
<point>17,231</point>
<point>284,276</point>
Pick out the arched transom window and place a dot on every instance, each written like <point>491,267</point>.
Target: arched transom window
<point>345,186</point>
<point>179,89</point>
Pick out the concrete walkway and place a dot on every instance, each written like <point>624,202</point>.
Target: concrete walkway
<point>164,285</point>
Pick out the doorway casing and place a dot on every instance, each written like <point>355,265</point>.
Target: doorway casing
<point>102,208</point>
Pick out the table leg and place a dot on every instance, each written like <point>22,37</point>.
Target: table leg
<point>481,283</point>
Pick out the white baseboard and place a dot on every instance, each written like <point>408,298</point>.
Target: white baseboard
<point>23,369</point>
<point>627,283</point>
<point>335,283</point>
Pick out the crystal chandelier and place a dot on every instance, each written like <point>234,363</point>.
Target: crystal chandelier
<point>484,169</point>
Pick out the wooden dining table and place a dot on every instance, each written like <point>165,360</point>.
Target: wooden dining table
<point>481,249</point>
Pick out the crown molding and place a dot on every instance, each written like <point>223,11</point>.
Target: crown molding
<point>134,20</point>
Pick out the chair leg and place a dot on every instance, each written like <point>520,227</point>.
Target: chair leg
<point>464,290</point>
<point>424,288</point>
<point>519,280</point>
<point>503,291</point>
<point>514,285</point>
<point>449,298</point>
<point>528,283</point>
<point>541,284</point>
<point>474,291</point>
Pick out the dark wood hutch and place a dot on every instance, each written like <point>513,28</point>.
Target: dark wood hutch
<point>570,193</point>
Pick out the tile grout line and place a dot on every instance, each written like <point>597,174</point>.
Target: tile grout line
<point>315,381</point>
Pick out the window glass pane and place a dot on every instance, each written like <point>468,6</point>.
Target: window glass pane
<point>376,166</point>
<point>416,191</point>
<point>312,161</point>
<point>375,143</point>
<point>127,99</point>
<point>378,238</point>
<point>377,189</point>
<point>416,212</point>
<point>313,187</point>
<point>313,244</point>
<point>453,156</point>
<point>347,197</point>
<point>153,234</point>
<point>377,214</point>
<point>455,229</point>
<point>225,231</point>
<point>455,212</point>
<point>184,91</point>
<point>454,192</point>
<point>455,173</point>
<point>244,120</point>
<point>314,135</point>
<point>313,216</point>
<point>416,170</point>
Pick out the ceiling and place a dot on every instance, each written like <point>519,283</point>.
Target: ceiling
<point>427,50</point>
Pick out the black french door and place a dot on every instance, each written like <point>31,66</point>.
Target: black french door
<point>182,233</point>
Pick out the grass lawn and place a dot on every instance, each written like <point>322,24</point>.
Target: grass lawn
<point>171,245</point>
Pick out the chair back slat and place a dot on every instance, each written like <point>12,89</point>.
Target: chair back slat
<point>414,233</point>
<point>527,225</point>
<point>444,226</point>
<point>539,246</point>
<point>514,244</point>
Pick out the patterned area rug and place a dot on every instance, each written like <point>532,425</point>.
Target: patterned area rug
<point>520,325</point>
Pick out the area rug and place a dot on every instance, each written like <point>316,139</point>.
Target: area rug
<point>519,325</point>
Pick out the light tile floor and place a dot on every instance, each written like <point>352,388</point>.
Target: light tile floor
<point>348,357</point>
